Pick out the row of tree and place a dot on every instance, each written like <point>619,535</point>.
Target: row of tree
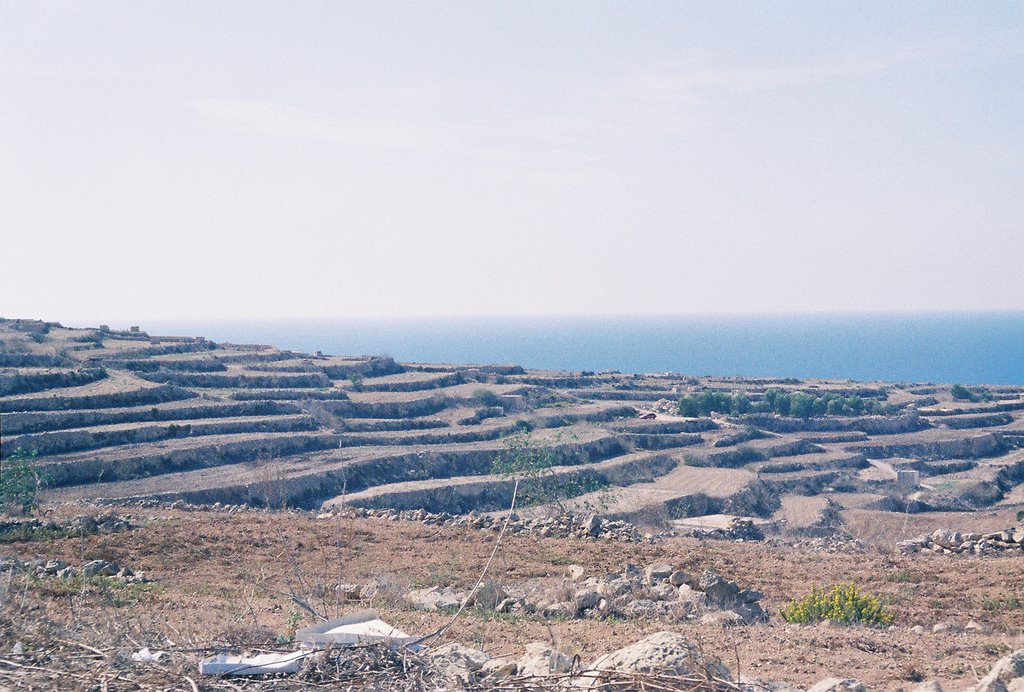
<point>781,401</point>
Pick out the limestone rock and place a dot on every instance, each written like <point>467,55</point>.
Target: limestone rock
<point>488,596</point>
<point>562,609</point>
<point>473,659</point>
<point>722,618</point>
<point>541,659</point>
<point>719,590</point>
<point>99,568</point>
<point>657,573</point>
<point>499,668</point>
<point>665,592</point>
<point>837,685</point>
<point>678,578</point>
<point>458,662</point>
<point>1006,675</point>
<point>587,599</point>
<point>663,652</point>
<point>434,598</point>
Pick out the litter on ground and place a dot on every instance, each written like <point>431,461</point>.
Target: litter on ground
<point>353,630</point>
<point>226,664</point>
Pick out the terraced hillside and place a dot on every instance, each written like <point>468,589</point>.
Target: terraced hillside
<point>115,415</point>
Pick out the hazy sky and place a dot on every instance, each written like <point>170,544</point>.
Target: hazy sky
<point>303,159</point>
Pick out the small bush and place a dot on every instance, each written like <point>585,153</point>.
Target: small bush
<point>839,603</point>
<point>486,398</point>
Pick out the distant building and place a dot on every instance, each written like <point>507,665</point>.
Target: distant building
<point>133,330</point>
<point>908,479</point>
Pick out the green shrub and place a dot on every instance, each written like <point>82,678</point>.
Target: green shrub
<point>839,603</point>
<point>961,393</point>
<point>486,398</point>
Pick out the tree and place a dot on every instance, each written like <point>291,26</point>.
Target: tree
<point>20,482</point>
<point>961,393</point>
<point>532,463</point>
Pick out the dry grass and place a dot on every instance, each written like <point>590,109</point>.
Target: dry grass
<point>227,582</point>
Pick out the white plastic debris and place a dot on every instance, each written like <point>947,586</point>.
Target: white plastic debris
<point>146,656</point>
<point>225,664</point>
<point>354,630</point>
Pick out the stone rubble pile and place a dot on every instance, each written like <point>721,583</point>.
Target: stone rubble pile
<point>835,543</point>
<point>62,570</point>
<point>680,662</point>
<point>664,653</point>
<point>738,529</point>
<point>660,592</point>
<point>949,542</point>
<point>76,526</point>
<point>186,506</point>
<point>589,526</point>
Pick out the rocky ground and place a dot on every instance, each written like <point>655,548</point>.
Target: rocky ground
<point>228,579</point>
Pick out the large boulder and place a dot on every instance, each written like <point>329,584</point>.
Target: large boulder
<point>458,662</point>
<point>434,598</point>
<point>663,652</point>
<point>541,659</point>
<point>1007,675</point>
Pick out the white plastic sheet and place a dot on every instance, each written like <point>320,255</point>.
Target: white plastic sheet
<point>226,664</point>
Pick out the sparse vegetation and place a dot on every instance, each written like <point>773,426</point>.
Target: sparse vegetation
<point>20,482</point>
<point>1004,603</point>
<point>962,393</point>
<point>532,464</point>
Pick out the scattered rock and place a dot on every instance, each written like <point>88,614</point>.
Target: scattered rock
<point>99,568</point>
<point>837,685</point>
<point>949,542</point>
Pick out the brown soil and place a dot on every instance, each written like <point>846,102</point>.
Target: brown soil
<point>222,579</point>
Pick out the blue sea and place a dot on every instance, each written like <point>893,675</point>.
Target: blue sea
<point>970,348</point>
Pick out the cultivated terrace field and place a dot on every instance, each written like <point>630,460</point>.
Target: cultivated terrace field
<point>198,498</point>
